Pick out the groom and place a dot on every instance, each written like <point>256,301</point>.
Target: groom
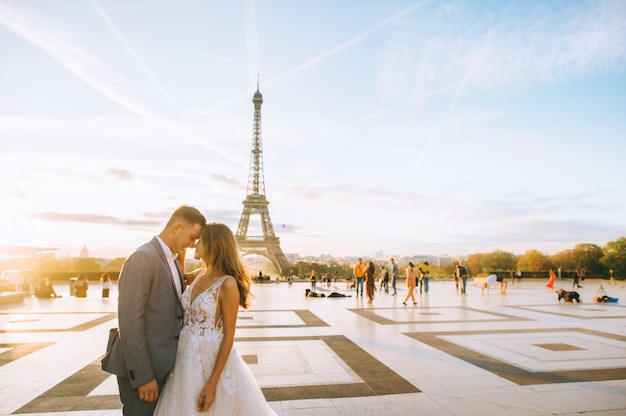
<point>150,313</point>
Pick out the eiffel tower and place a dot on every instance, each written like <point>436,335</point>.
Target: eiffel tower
<point>267,245</point>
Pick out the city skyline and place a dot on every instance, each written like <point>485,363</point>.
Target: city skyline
<point>428,127</point>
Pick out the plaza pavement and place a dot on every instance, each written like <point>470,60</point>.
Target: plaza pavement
<point>522,353</point>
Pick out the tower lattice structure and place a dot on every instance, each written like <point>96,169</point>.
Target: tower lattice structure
<point>256,203</point>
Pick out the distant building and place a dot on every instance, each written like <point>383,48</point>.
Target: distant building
<point>84,254</point>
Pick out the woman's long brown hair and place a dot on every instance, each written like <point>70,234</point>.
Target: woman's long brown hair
<point>223,255</point>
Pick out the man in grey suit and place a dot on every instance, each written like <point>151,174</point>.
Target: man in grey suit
<point>150,313</point>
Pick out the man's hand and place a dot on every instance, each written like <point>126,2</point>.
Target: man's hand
<point>149,392</point>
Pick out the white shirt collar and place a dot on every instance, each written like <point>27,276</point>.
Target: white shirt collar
<point>168,251</point>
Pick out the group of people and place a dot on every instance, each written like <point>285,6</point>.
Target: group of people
<point>364,274</point>
<point>313,277</point>
<point>173,353</point>
<point>44,288</point>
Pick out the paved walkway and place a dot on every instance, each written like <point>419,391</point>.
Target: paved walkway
<point>522,353</point>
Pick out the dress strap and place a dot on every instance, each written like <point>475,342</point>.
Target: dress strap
<point>218,285</point>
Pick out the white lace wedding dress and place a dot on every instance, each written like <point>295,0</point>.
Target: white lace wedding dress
<point>237,392</point>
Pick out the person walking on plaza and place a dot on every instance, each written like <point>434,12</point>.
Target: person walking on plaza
<point>394,276</point>
<point>463,275</point>
<point>313,280</point>
<point>612,280</point>
<point>559,272</point>
<point>550,284</point>
<point>359,274</point>
<point>209,375</point>
<point>370,281</point>
<point>150,313</point>
<point>424,271</point>
<point>575,283</point>
<point>384,279</point>
<point>419,283</point>
<point>411,276</point>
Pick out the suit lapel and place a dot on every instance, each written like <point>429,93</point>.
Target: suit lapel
<point>166,265</point>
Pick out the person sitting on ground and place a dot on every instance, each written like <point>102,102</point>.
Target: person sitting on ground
<point>44,289</point>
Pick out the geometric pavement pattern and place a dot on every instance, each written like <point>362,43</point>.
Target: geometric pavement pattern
<point>315,355</point>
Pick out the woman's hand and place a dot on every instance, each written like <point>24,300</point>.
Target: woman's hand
<point>207,397</point>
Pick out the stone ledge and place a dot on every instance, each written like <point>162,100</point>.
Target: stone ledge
<point>7,298</point>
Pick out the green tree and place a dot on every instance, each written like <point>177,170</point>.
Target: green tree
<point>115,265</point>
<point>614,257</point>
<point>588,256</point>
<point>473,263</point>
<point>565,259</point>
<point>49,263</point>
<point>446,270</point>
<point>534,261</point>
<point>88,264</point>
<point>497,261</point>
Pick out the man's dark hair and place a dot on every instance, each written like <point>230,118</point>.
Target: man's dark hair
<point>188,215</point>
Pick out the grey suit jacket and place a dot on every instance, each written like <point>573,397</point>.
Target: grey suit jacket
<point>150,318</point>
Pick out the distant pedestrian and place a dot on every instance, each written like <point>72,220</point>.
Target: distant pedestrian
<point>424,271</point>
<point>394,275</point>
<point>370,281</point>
<point>384,279</point>
<point>359,273</point>
<point>550,284</point>
<point>313,280</point>
<point>576,276</point>
<point>81,286</point>
<point>105,282</point>
<point>612,280</point>
<point>463,275</point>
<point>411,276</point>
<point>419,283</point>
<point>559,272</point>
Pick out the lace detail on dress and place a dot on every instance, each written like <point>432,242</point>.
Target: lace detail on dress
<point>228,381</point>
<point>237,393</point>
<point>205,335</point>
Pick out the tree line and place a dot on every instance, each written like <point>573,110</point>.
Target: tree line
<point>596,261</point>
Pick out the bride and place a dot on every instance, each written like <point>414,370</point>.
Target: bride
<point>209,374</point>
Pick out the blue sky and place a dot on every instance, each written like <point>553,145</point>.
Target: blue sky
<point>429,127</point>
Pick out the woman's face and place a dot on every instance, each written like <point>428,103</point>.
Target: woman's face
<point>200,250</point>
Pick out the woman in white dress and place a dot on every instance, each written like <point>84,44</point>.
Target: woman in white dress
<point>209,376</point>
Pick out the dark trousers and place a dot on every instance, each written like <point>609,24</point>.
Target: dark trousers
<point>359,284</point>
<point>130,399</point>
